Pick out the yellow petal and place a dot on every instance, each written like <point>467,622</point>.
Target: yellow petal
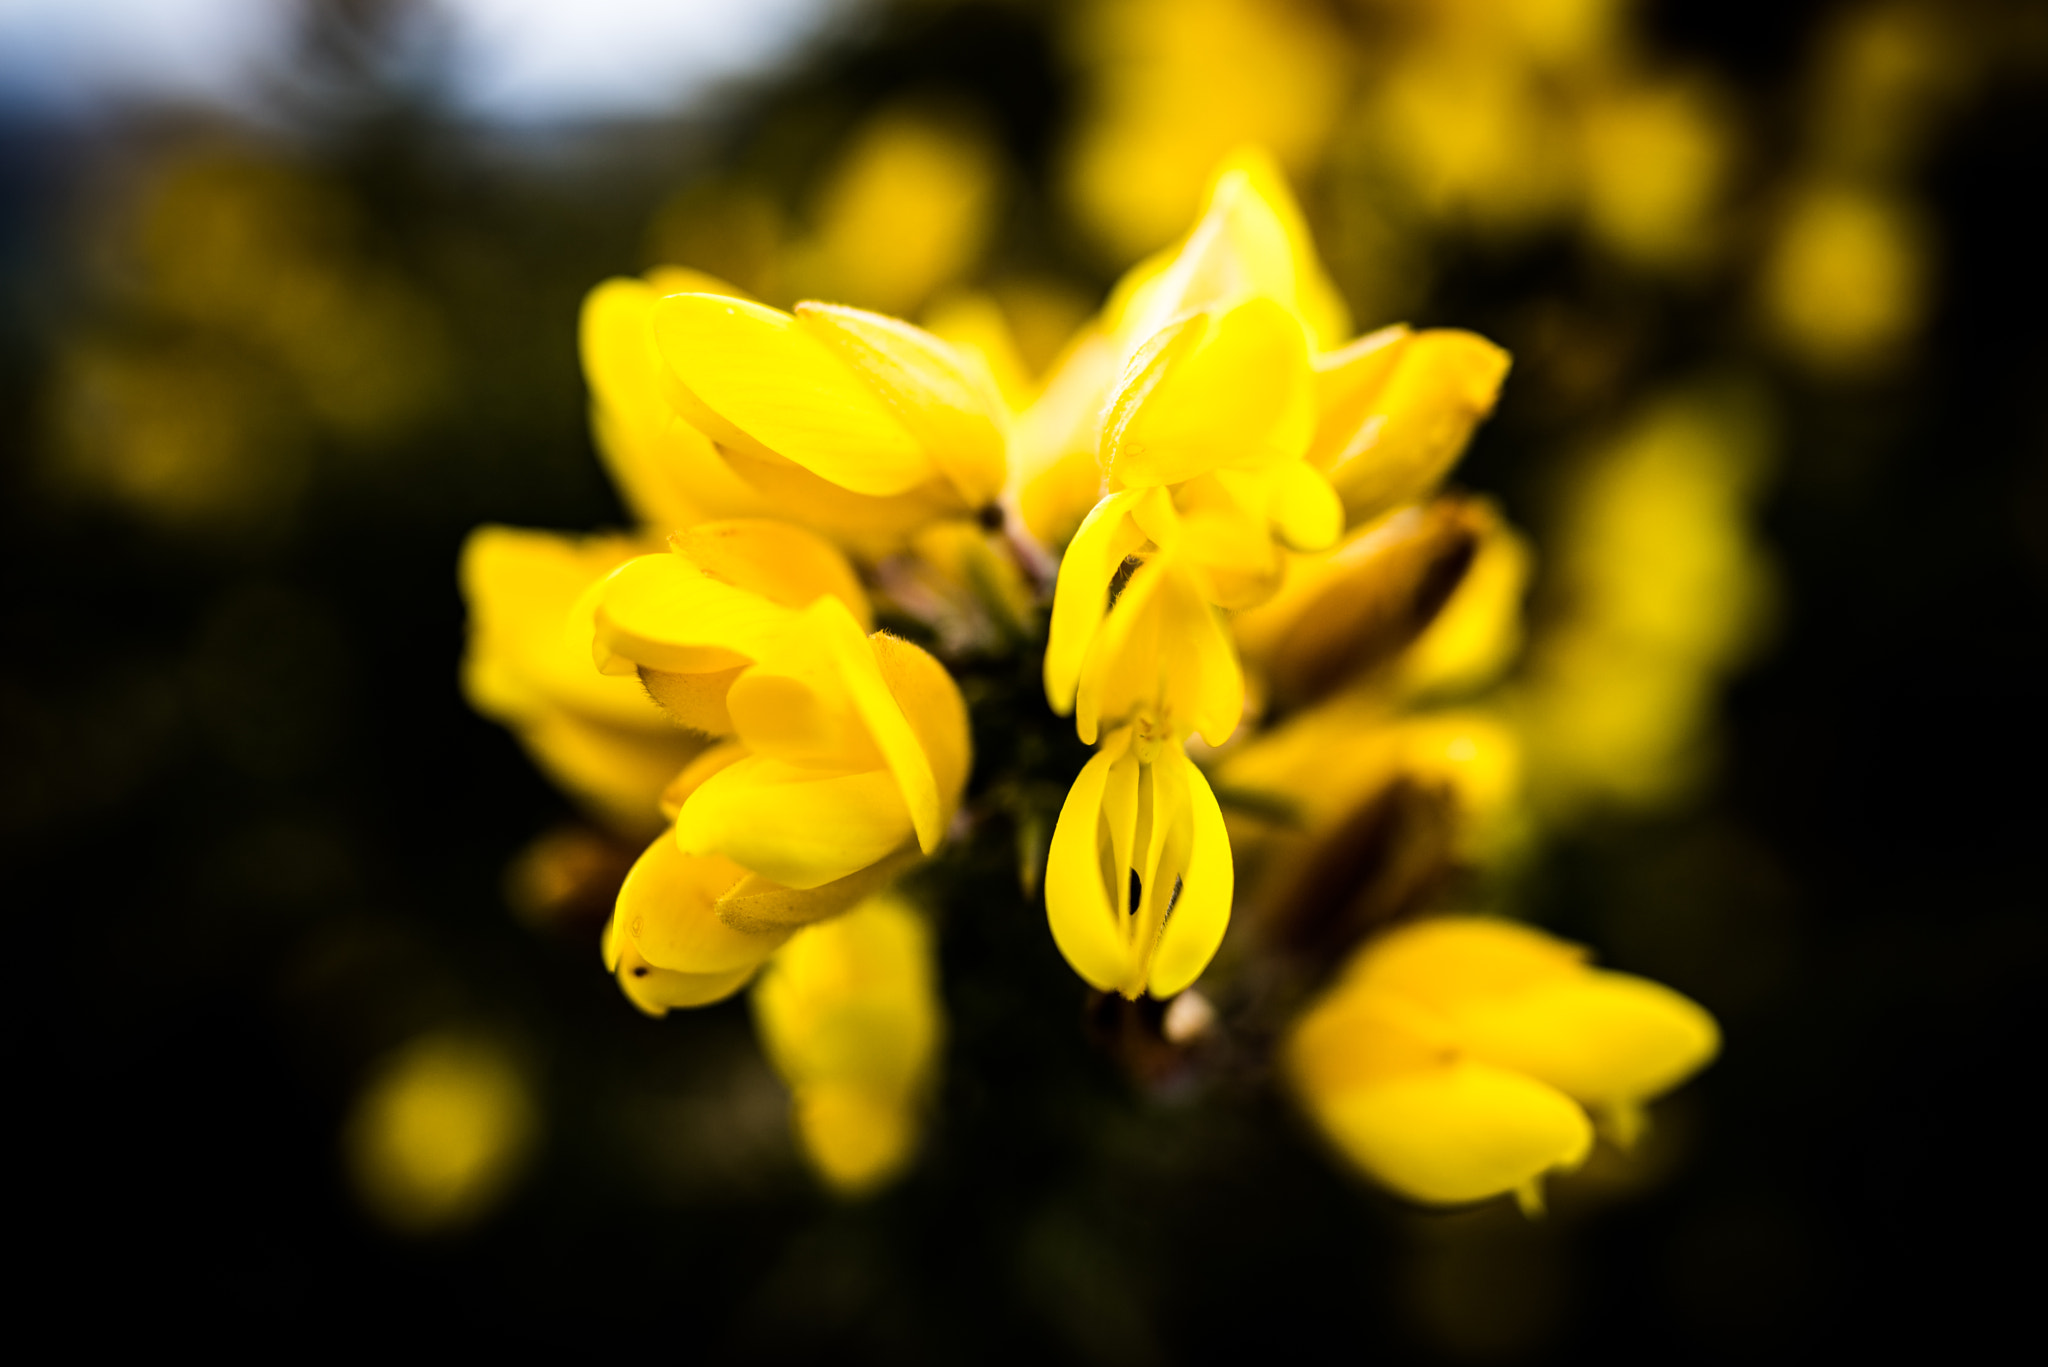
<point>1229,391</point>
<point>1462,1132</point>
<point>801,827</point>
<point>1602,1037</point>
<point>930,701</point>
<point>1448,962</point>
<point>749,376</point>
<point>930,390</point>
<point>719,756</point>
<point>529,631</point>
<point>662,612</point>
<point>665,912</point>
<point>694,700</point>
<point>1194,926</point>
<point>1081,595</point>
<point>619,773</point>
<point>1162,650</point>
<point>1307,514</point>
<point>784,563</point>
<point>1412,429</point>
<point>854,1001</point>
<point>1086,916</point>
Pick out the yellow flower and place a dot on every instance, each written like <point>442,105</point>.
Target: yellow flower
<point>1456,1058</point>
<point>847,747</point>
<point>1184,310</point>
<point>528,666</point>
<point>1395,409</point>
<point>850,1016</point>
<point>689,621</point>
<point>1138,880</point>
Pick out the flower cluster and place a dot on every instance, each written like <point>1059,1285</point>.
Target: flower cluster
<point>1259,594</point>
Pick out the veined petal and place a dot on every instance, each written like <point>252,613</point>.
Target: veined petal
<point>1461,1132</point>
<point>1601,1037</point>
<point>749,375</point>
<point>662,612</point>
<point>800,827</point>
<point>1193,926</point>
<point>1085,915</point>
<point>665,910</point>
<point>1229,391</point>
<point>1081,595</point>
<point>931,391</point>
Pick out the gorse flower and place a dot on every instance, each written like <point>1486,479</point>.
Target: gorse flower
<point>1457,1058</point>
<point>1253,570</point>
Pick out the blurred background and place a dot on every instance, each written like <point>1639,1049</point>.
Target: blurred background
<point>290,294</point>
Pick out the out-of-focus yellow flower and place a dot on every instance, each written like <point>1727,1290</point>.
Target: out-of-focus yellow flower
<point>1432,593</point>
<point>1138,880</point>
<point>528,666</point>
<point>1655,157</point>
<point>1666,593</point>
<point>906,210</point>
<point>1456,1058</point>
<point>440,1133</point>
<point>688,621</point>
<point>850,1016</point>
<point>1174,85</point>
<point>1395,409</point>
<point>1845,283</point>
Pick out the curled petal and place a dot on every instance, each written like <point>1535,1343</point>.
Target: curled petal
<point>1229,391</point>
<point>782,562</point>
<point>750,377</point>
<point>665,910</point>
<point>944,402</point>
<point>662,612</point>
<point>1081,597</point>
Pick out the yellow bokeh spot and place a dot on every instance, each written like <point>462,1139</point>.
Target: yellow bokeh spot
<point>440,1133</point>
<point>1846,280</point>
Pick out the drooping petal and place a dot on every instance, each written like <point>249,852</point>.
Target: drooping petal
<point>801,827</point>
<point>750,377</point>
<point>930,390</point>
<point>1601,1037</point>
<point>1081,596</point>
<point>1193,928</point>
<point>1462,1132</point>
<point>1085,915</point>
